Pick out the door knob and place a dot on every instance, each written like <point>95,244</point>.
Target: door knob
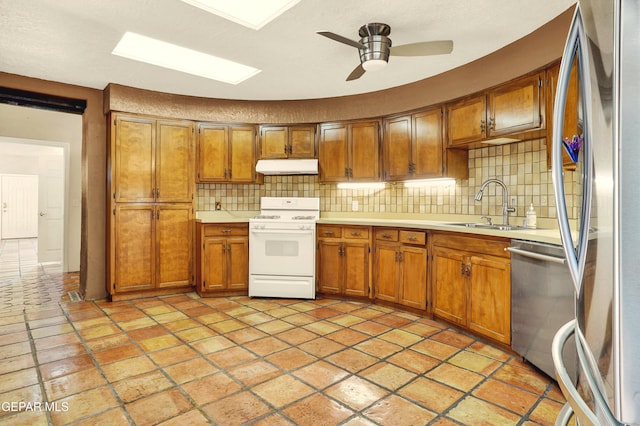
<point>42,213</point>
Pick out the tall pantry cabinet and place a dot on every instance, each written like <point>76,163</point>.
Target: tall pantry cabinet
<point>151,184</point>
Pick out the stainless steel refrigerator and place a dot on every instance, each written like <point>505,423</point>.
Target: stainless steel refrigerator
<point>599,213</point>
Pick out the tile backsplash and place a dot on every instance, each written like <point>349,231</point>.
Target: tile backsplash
<point>522,166</point>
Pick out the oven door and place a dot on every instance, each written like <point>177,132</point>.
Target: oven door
<point>282,252</point>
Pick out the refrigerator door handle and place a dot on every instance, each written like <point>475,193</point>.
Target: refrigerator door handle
<point>580,408</point>
<point>577,43</point>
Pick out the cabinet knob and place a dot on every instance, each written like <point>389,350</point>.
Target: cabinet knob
<point>411,238</point>
<point>355,233</point>
<point>226,231</point>
<point>328,232</point>
<point>385,235</point>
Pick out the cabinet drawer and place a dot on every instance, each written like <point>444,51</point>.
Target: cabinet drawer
<point>226,230</point>
<point>355,233</point>
<point>386,234</point>
<point>413,237</point>
<point>329,231</point>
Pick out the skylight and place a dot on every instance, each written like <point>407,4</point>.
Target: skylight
<point>156,52</point>
<point>254,14</point>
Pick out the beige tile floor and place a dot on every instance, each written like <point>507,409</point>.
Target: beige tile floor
<point>187,360</point>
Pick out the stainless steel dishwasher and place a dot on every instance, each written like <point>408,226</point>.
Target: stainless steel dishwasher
<point>542,301</point>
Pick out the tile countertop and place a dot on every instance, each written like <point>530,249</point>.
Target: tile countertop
<point>548,233</point>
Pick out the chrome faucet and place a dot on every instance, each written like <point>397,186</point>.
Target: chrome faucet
<point>505,198</point>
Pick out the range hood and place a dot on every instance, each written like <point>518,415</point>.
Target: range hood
<point>287,167</point>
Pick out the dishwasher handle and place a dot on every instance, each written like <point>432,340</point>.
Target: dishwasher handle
<point>538,256</point>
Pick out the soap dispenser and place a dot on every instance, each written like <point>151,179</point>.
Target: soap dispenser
<point>532,219</point>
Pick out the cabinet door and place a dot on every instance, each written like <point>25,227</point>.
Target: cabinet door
<point>274,142</point>
<point>174,233</point>
<point>212,151</point>
<point>242,154</point>
<point>397,149</point>
<point>427,144</point>
<point>364,152</point>
<point>174,162</point>
<point>386,272</point>
<point>516,107</point>
<point>302,142</point>
<point>133,251</point>
<point>330,266</point>
<point>413,282</point>
<point>332,154</point>
<point>490,298</point>
<point>133,158</point>
<point>356,268</point>
<point>467,121</point>
<point>449,285</point>
<point>238,263</point>
<point>214,268</point>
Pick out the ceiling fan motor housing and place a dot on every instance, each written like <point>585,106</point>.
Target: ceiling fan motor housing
<point>378,48</point>
<point>378,45</point>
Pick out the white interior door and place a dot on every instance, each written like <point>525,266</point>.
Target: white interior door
<point>19,203</point>
<point>51,213</point>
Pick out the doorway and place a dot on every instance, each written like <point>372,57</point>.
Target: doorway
<point>32,203</point>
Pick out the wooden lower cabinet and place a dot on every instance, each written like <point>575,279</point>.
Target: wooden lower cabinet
<point>343,260</point>
<point>400,267</point>
<point>471,282</point>
<point>151,247</point>
<point>222,258</point>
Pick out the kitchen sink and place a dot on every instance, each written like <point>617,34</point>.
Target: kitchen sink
<point>487,226</point>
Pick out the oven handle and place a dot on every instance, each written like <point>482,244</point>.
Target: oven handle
<point>283,231</point>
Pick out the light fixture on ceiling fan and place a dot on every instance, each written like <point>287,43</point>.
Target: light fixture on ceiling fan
<point>375,47</point>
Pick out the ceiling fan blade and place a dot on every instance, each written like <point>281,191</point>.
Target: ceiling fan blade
<point>425,48</point>
<point>356,73</point>
<point>341,39</point>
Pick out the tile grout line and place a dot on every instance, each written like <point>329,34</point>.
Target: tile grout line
<point>36,363</point>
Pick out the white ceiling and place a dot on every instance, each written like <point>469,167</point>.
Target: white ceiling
<point>70,41</point>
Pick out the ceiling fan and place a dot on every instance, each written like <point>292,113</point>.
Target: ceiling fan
<point>375,47</point>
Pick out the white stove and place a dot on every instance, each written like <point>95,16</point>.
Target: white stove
<point>282,248</point>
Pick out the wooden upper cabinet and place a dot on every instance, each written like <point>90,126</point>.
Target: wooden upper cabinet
<point>517,106</point>
<point>152,160</point>
<point>427,150</point>
<point>572,121</point>
<point>363,151</point>
<point>274,142</point>
<point>242,158</point>
<point>302,142</point>
<point>333,152</point>
<point>397,148</point>
<point>287,142</point>
<point>413,148</point>
<point>225,153</point>
<point>174,162</point>
<point>132,159</point>
<point>212,150</point>
<point>467,120</point>
<point>348,152</point>
<point>514,109</point>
